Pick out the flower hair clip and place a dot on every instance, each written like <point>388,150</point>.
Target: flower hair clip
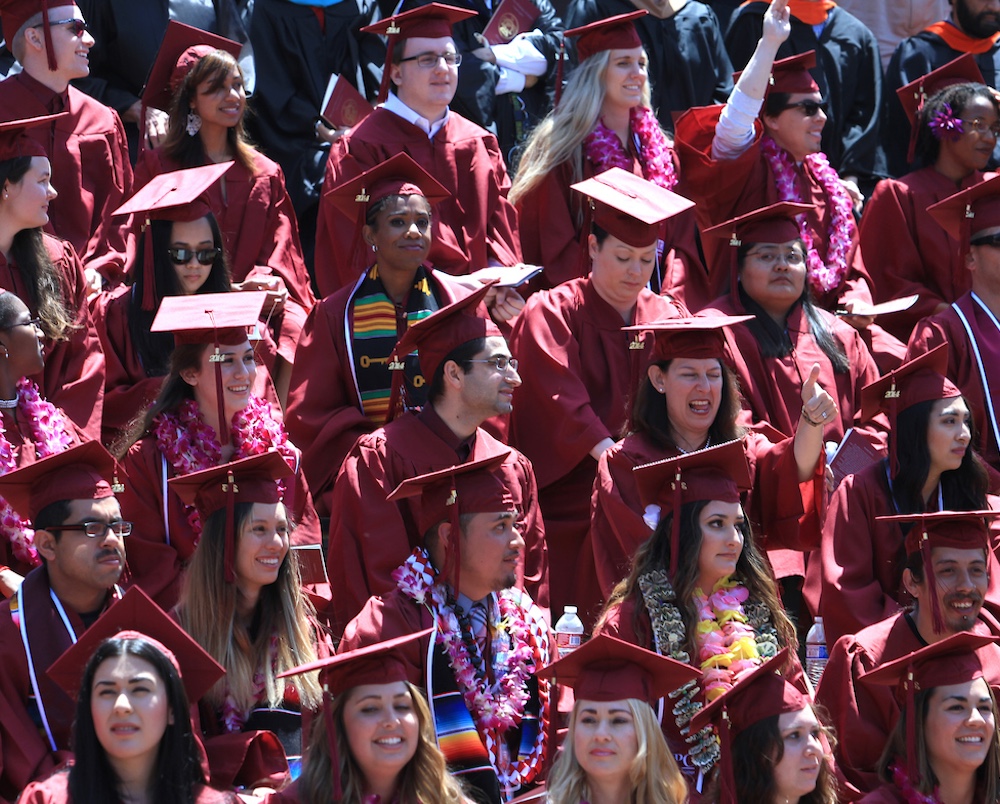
<point>943,124</point>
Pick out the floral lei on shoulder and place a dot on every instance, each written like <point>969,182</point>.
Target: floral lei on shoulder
<point>50,433</point>
<point>826,275</point>
<point>910,793</point>
<point>604,150</point>
<point>520,647</point>
<point>731,637</point>
<point>191,445</point>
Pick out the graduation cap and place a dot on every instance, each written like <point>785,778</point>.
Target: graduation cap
<point>614,33</point>
<point>697,337</point>
<point>473,487</point>
<point>436,336</point>
<point>630,207</point>
<point>757,694</point>
<point>608,669</point>
<point>964,530</point>
<point>398,175</point>
<point>919,380</point>
<point>954,660</point>
<point>178,195</point>
<point>381,663</point>
<point>433,21</point>
<point>14,140</point>
<point>717,473</point>
<point>136,616</point>
<point>182,47</point>
<point>79,473</point>
<point>969,211</point>
<point>215,318</point>
<point>791,76</point>
<point>14,14</point>
<point>256,479</point>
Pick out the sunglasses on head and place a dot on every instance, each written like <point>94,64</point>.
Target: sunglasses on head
<point>810,108</point>
<point>182,256</point>
<point>76,26</point>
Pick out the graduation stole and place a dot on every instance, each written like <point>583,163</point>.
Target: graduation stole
<point>373,335</point>
<point>811,12</point>
<point>961,41</point>
<point>965,309</point>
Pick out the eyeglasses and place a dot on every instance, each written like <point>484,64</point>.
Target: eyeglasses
<point>810,108</point>
<point>980,127</point>
<point>182,256</point>
<point>77,26</point>
<point>96,530</point>
<point>31,322</point>
<point>428,61</point>
<point>770,258</point>
<point>987,240</point>
<point>500,362</point>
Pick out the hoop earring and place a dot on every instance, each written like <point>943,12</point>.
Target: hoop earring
<point>193,123</point>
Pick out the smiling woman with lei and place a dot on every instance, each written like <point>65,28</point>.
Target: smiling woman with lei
<point>700,592</point>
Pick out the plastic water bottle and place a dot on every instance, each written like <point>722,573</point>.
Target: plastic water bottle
<point>816,653</point>
<point>569,632</point>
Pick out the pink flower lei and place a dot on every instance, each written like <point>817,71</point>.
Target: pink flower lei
<point>727,645</point>
<point>50,433</point>
<point>233,715</point>
<point>190,444</point>
<point>495,707</point>
<point>604,150</point>
<point>910,793</point>
<point>823,275</point>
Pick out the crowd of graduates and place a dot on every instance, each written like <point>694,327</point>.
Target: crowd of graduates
<point>316,413</point>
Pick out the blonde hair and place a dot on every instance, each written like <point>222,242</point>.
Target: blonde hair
<point>654,774</point>
<point>559,137</point>
<point>207,611</point>
<point>424,780</point>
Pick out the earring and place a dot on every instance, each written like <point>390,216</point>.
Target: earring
<point>374,247</point>
<point>3,351</point>
<point>193,123</point>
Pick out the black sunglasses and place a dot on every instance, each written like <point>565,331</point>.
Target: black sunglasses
<point>810,108</point>
<point>987,240</point>
<point>182,256</point>
<point>77,26</point>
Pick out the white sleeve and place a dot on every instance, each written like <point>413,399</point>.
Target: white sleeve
<point>735,132</point>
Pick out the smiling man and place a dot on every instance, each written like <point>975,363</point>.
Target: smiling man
<point>947,575</point>
<point>80,537</point>
<point>89,152</point>
<point>489,637</point>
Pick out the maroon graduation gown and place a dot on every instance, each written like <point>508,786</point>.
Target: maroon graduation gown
<point>863,715</point>
<point>473,227</point>
<point>920,257</point>
<point>55,790</point>
<point>325,413</point>
<point>91,170</point>
<point>260,233</point>
<point>370,536</point>
<point>580,372</point>
<point>73,377</point>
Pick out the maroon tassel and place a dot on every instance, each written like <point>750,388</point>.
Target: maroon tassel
<point>229,546</point>
<point>390,46</point>
<point>217,359</point>
<point>911,729</point>
<point>893,396</point>
<point>453,558</point>
<point>331,741</point>
<point>727,780</point>
<point>148,270</point>
<point>675,527</point>
<point>561,58</point>
<point>397,367</point>
<point>47,32</point>
<point>931,584</point>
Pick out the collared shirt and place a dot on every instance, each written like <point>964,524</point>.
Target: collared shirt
<point>54,101</point>
<point>434,423</point>
<point>396,106</point>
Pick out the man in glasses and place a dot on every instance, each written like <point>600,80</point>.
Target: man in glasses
<point>474,228</point>
<point>471,378</point>
<point>88,149</point>
<point>80,538</point>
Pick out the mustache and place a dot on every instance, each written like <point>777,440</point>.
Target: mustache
<point>107,552</point>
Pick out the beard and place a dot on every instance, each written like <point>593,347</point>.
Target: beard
<point>981,25</point>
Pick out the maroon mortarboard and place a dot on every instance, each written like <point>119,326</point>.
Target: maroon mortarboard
<point>398,175</point>
<point>699,337</point>
<point>14,140</point>
<point>137,616</point>
<point>466,488</point>
<point>608,669</point>
<point>964,530</point>
<point>79,473</point>
<point>630,207</point>
<point>791,76</point>
<point>178,195</point>
<point>717,473</point>
<point>253,480</point>
<point>968,212</point>
<point>15,13</point>
<point>436,336</point>
<point>381,663</point>
<point>756,695</point>
<point>919,380</point>
<point>432,21</point>
<point>957,659</point>
<point>213,318</point>
<point>614,33</point>
<point>182,47</point>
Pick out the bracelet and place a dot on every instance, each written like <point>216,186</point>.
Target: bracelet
<point>809,421</point>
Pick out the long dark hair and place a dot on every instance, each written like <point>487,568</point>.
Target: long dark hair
<point>773,340</point>
<point>178,767</point>
<point>47,295</point>
<point>962,489</point>
<point>957,96</point>
<point>154,348</point>
<point>649,416</point>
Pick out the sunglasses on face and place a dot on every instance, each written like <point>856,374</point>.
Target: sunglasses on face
<point>182,256</point>
<point>76,26</point>
<point>810,108</point>
<point>992,240</point>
